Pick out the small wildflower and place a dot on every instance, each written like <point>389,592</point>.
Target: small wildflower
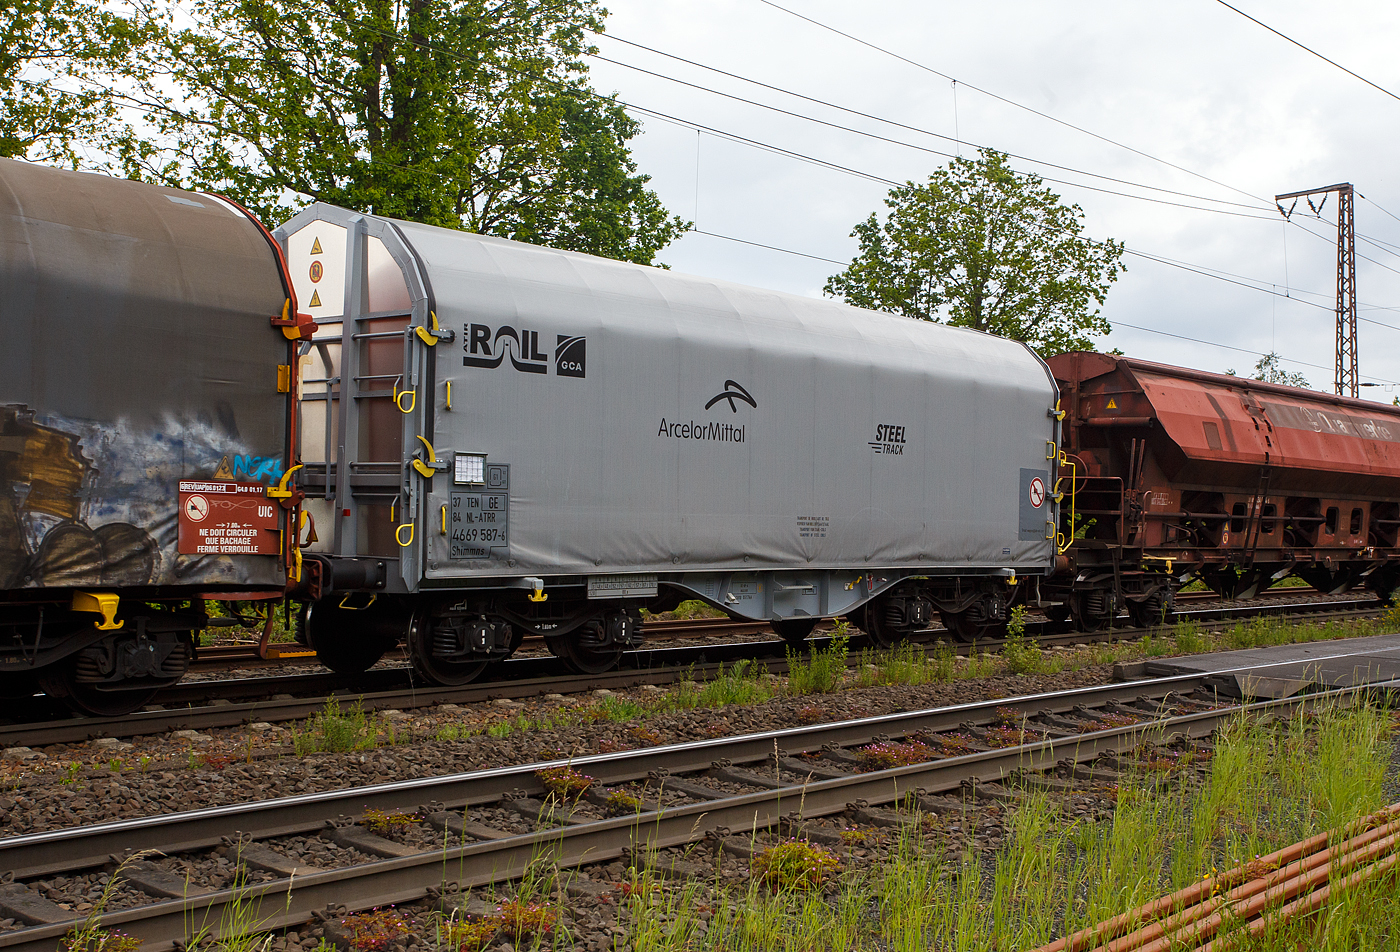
<point>522,919</point>
<point>887,754</point>
<point>621,803</point>
<point>794,865</point>
<point>564,783</point>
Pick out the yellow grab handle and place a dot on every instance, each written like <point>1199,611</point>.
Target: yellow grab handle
<point>282,492</point>
<point>424,469</point>
<point>444,519</point>
<point>426,336</point>
<point>398,535</point>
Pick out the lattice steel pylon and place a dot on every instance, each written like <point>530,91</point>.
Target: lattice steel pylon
<point>1347,379</point>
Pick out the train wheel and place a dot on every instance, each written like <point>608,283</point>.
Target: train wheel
<point>969,629</point>
<point>60,681</point>
<point>585,659</point>
<point>1150,613</point>
<point>794,630</point>
<point>347,642</point>
<point>1083,607</point>
<point>442,671</point>
<point>1059,614</point>
<point>881,634</point>
<point>957,626</point>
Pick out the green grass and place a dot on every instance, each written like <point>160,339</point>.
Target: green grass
<point>906,663</point>
<point>823,670</point>
<point>1188,637</point>
<point>827,671</point>
<point>1268,785</point>
<point>330,730</point>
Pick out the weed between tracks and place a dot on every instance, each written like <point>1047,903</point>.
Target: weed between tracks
<point>331,731</point>
<point>1268,785</point>
<point>827,670</point>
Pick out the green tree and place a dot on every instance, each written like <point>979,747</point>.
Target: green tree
<point>979,245</point>
<point>460,113</point>
<point>45,40</point>
<point>1268,370</point>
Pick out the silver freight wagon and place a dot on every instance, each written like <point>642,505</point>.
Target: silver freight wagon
<point>547,441</point>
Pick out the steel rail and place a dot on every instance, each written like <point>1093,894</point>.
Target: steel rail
<point>214,657</point>
<point>39,854</point>
<point>162,925</point>
<point>42,853</point>
<point>380,689</point>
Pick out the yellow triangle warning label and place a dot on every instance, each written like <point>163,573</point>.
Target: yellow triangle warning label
<point>315,299</point>
<point>316,246</point>
<point>1112,404</point>
<point>225,471</point>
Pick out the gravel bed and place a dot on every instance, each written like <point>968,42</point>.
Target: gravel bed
<point>418,835</point>
<point>318,851</point>
<point>80,893</point>
<point>725,786</point>
<point>77,784</point>
<point>214,870</point>
<point>507,821</point>
<point>656,791</point>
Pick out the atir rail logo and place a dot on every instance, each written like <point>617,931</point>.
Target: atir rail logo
<point>488,347</point>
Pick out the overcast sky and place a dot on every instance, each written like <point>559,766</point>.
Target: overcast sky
<point>1190,83</point>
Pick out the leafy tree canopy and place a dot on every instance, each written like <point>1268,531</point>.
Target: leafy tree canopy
<point>1268,370</point>
<point>979,245</point>
<point>41,40</point>
<point>463,113</point>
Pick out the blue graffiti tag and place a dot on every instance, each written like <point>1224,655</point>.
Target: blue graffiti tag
<point>258,467</point>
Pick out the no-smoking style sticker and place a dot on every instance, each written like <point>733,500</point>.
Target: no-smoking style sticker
<point>227,518</point>
<point>196,508</point>
<point>1037,492</point>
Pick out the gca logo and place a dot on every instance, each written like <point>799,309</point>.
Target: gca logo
<point>487,348</point>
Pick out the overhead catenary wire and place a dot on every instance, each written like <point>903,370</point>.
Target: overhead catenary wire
<point>891,122</point>
<point>1018,105</point>
<point>1306,48</point>
<point>1116,323</point>
<point>427,45</point>
<point>754,143</point>
<point>931,151</point>
<point>1011,102</point>
<point>810,159</point>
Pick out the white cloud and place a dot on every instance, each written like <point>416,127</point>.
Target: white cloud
<point>1192,83</point>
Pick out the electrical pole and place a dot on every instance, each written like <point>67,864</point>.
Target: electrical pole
<point>1348,376</point>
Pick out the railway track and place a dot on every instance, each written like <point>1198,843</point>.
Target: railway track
<point>221,657</point>
<point>488,827</point>
<point>245,655</point>
<point>230,703</point>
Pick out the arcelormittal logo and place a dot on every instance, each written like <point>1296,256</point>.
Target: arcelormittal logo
<point>732,391</point>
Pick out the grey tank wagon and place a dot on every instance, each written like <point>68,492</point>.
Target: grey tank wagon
<point>501,438</point>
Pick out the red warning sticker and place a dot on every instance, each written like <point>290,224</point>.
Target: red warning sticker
<point>1037,492</point>
<point>227,518</point>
